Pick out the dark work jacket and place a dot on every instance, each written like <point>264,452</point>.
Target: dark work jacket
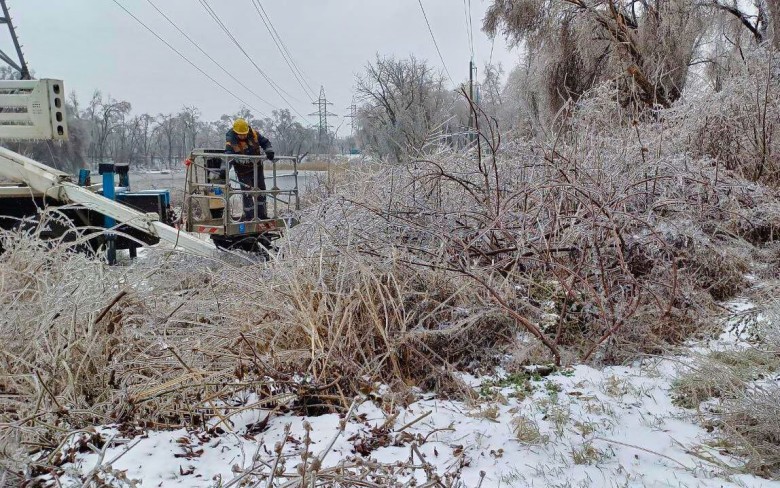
<point>249,147</point>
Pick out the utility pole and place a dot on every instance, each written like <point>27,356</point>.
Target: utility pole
<point>19,64</point>
<point>323,129</point>
<point>472,71</point>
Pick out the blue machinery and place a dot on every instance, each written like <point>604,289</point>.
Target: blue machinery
<point>107,170</point>
<point>116,187</point>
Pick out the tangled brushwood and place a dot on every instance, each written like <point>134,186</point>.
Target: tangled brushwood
<point>613,238</point>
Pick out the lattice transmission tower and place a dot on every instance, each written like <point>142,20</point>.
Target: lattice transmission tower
<point>18,63</point>
<point>323,128</point>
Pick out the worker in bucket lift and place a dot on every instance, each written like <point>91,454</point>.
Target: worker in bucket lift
<point>242,139</point>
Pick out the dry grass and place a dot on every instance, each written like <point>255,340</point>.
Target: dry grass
<point>527,431</point>
<point>737,393</point>
<point>160,342</point>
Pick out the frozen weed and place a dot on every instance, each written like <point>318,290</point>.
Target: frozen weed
<point>560,417</point>
<point>586,428</point>
<point>487,412</point>
<point>527,431</point>
<point>737,389</point>
<point>723,374</point>
<point>615,386</point>
<point>586,454</point>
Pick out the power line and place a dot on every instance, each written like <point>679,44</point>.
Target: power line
<point>277,89</point>
<point>187,59</point>
<point>215,17</point>
<point>302,73</point>
<point>436,44</point>
<point>281,51</point>
<point>209,56</point>
<point>471,30</point>
<point>469,27</point>
<point>296,71</point>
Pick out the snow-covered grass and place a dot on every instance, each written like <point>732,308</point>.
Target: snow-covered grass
<point>617,426</point>
<point>734,386</point>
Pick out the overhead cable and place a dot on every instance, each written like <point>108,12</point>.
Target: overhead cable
<point>279,90</point>
<point>231,75</point>
<point>436,44</point>
<point>280,46</point>
<point>185,58</point>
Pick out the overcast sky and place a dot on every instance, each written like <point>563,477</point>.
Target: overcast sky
<point>94,44</point>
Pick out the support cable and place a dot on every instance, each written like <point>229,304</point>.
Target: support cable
<point>279,90</point>
<point>436,44</point>
<point>185,58</point>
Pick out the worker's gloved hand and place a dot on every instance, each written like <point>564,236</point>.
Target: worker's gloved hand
<point>270,154</point>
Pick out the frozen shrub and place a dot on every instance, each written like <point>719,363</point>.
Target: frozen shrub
<point>751,423</point>
<point>737,127</point>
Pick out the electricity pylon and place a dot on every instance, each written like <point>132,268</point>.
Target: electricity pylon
<point>19,64</point>
<point>323,128</point>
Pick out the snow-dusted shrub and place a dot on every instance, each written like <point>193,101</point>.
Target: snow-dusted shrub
<point>434,220</point>
<point>751,424</point>
<point>629,237</point>
<point>738,128</point>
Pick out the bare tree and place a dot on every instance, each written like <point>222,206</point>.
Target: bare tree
<point>105,116</point>
<point>143,128</point>
<point>166,130</point>
<point>289,137</point>
<point>189,119</point>
<point>404,104</point>
<point>491,99</point>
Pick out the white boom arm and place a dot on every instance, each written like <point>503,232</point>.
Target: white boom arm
<point>33,109</point>
<point>48,181</point>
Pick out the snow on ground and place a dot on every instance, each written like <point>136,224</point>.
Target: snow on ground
<point>582,427</point>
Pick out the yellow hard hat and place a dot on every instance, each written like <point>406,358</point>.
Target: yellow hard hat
<point>241,127</point>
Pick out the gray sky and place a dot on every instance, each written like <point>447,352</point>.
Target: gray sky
<point>94,44</point>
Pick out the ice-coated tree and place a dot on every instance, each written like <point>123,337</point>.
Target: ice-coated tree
<point>105,116</point>
<point>647,46</point>
<point>404,106</point>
